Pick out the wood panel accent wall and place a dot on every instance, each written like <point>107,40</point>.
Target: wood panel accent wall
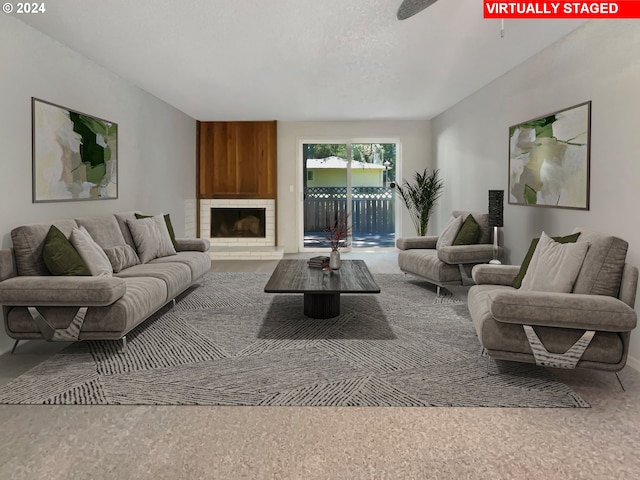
<point>237,159</point>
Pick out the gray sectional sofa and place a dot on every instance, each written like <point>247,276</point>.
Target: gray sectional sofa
<point>110,305</point>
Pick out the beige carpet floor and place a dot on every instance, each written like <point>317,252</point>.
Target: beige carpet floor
<point>65,442</point>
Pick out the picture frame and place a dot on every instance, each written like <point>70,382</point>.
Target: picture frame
<point>74,155</point>
<point>549,159</point>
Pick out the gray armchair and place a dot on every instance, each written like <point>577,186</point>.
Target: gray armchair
<point>450,265</point>
<point>588,328</point>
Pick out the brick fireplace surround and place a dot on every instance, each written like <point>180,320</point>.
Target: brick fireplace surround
<point>241,248</point>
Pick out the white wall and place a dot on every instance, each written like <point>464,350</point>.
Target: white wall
<point>156,142</point>
<point>415,145</point>
<point>600,62</point>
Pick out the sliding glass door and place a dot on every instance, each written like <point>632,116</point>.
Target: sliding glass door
<point>373,168</point>
<point>325,178</point>
<point>348,178</point>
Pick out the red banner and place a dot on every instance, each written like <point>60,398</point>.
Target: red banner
<point>562,9</point>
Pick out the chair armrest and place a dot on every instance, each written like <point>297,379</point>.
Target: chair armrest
<point>566,310</point>
<point>486,274</point>
<point>193,244</point>
<point>61,291</point>
<point>408,243</point>
<point>478,253</point>
<point>7,264</point>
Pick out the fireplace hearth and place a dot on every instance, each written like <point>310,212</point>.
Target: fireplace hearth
<point>238,223</point>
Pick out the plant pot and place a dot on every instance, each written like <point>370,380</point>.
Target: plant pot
<point>334,260</point>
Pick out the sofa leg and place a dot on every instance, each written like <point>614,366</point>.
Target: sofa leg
<point>173,303</point>
<point>438,290</point>
<point>492,371</point>
<point>15,345</point>
<point>123,348</point>
<point>464,277</point>
<point>620,382</point>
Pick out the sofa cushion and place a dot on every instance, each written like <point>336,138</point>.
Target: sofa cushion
<point>574,310</point>
<point>142,297</point>
<point>151,238</point>
<point>198,262</point>
<point>426,263</point>
<point>92,254</point>
<point>104,230</point>
<point>177,276</point>
<point>449,232</point>
<point>28,243</point>
<point>468,233</point>
<point>60,257</point>
<point>80,291</point>
<point>602,268</point>
<point>517,282</point>
<point>121,257</point>
<point>554,266</point>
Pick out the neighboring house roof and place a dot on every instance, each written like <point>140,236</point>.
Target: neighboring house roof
<point>337,162</point>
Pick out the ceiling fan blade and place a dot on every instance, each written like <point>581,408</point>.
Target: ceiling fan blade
<point>409,8</point>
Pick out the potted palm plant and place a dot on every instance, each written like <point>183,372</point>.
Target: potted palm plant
<point>420,197</point>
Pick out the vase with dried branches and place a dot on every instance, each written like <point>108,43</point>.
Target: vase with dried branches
<point>338,234</point>
<point>420,197</point>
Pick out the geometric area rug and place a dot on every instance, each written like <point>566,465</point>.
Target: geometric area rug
<point>226,342</point>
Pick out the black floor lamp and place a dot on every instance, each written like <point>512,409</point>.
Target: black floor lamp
<point>496,200</point>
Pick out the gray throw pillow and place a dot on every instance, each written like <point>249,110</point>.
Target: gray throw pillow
<point>121,257</point>
<point>151,238</point>
<point>167,220</point>
<point>91,253</point>
<point>449,233</point>
<point>554,266</point>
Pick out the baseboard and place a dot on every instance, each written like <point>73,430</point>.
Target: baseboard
<point>633,363</point>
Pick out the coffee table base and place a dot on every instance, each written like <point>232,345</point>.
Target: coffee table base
<point>325,305</point>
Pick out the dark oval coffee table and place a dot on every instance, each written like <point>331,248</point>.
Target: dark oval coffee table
<point>321,288</point>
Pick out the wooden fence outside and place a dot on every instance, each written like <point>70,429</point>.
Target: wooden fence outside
<point>372,208</point>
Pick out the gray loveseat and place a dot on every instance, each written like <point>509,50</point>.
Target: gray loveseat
<point>111,305</point>
<point>600,306</point>
<point>450,265</point>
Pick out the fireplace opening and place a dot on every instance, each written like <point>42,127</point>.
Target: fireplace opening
<point>238,223</point>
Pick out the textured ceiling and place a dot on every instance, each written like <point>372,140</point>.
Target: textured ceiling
<point>298,59</point>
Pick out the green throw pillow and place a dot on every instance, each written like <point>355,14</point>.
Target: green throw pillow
<point>60,257</point>
<point>468,233</point>
<point>517,282</point>
<point>167,220</point>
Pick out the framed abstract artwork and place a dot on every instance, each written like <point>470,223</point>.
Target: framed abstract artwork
<point>549,159</point>
<point>75,155</point>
